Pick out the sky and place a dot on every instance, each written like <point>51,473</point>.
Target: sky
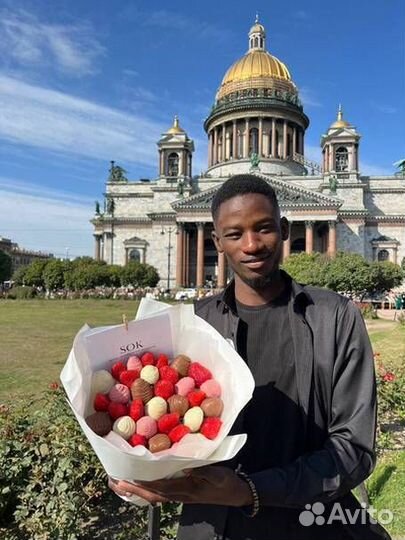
<point>86,82</point>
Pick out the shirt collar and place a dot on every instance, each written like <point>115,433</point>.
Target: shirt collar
<point>299,296</point>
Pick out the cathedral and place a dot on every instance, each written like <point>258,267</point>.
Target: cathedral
<point>257,124</point>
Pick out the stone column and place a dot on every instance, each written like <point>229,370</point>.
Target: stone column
<point>161,163</point>
<point>221,271</point>
<point>200,255</point>
<point>234,141</point>
<point>260,142</point>
<point>294,137</point>
<point>332,239</point>
<point>309,236</point>
<point>209,149</point>
<point>246,145</point>
<point>215,146</point>
<point>228,145</point>
<point>97,251</point>
<point>186,264</point>
<point>331,160</point>
<point>179,256</point>
<point>285,139</point>
<point>273,137</point>
<point>287,243</point>
<point>223,143</point>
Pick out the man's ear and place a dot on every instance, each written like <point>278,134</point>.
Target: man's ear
<point>217,241</point>
<point>285,228</point>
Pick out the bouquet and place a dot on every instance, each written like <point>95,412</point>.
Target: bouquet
<point>159,334</point>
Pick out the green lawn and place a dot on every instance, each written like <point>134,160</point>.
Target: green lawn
<point>36,336</point>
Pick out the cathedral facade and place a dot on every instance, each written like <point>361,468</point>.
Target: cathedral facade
<point>257,125</point>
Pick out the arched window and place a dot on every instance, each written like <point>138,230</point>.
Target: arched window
<point>253,141</point>
<point>298,245</point>
<point>135,255</point>
<point>342,159</point>
<point>230,145</point>
<point>173,164</point>
<point>256,42</point>
<point>277,143</point>
<point>383,255</point>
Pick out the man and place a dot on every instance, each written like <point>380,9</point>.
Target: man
<point>311,421</point>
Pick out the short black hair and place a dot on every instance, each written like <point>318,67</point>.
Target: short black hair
<point>242,184</point>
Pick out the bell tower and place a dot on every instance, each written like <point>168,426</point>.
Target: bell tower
<point>175,154</point>
<point>340,149</point>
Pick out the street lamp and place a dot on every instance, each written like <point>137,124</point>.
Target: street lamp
<point>169,231</point>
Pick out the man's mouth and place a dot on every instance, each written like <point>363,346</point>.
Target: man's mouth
<point>255,262</point>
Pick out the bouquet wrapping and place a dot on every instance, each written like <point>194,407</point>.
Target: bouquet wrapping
<point>170,330</point>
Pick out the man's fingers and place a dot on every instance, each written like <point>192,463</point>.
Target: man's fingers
<point>126,489</point>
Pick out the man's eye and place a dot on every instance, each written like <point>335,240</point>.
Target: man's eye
<point>232,235</point>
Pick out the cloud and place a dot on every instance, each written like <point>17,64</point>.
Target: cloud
<point>29,42</point>
<point>45,118</point>
<point>375,170</point>
<point>51,224</point>
<point>384,108</point>
<point>170,20</point>
<point>308,99</point>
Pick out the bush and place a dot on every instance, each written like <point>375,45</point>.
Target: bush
<point>22,293</point>
<point>51,483</point>
<point>367,310</point>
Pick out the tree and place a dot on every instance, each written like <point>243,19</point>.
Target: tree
<point>115,275</point>
<point>385,276</point>
<point>54,274</point>
<point>19,275</point>
<point>139,275</point>
<point>350,274</point>
<point>33,276</point>
<point>6,265</point>
<point>307,268</point>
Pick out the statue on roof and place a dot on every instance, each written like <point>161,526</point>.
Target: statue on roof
<point>254,160</point>
<point>117,173</point>
<point>333,184</point>
<point>401,166</point>
<point>110,206</point>
<point>97,208</point>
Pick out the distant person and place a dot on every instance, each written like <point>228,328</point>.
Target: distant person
<point>312,418</point>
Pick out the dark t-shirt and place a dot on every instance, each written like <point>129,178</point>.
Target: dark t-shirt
<point>272,419</point>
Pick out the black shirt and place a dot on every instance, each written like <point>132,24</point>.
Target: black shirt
<point>272,419</point>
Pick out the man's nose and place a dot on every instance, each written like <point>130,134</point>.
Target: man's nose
<point>251,242</point>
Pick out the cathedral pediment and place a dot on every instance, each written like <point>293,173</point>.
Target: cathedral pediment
<point>289,196</point>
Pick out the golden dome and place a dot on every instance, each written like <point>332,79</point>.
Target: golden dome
<point>257,69</point>
<point>175,129</point>
<point>257,27</point>
<point>340,123</point>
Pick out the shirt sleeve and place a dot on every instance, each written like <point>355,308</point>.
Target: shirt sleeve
<point>347,456</point>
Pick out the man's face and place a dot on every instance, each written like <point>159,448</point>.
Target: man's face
<point>249,231</point>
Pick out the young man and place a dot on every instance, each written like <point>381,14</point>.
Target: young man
<point>311,421</point>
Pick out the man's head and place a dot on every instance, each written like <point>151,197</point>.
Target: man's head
<point>248,228</point>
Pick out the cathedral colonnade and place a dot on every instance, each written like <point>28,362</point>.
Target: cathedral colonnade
<point>197,260</point>
<point>269,138</point>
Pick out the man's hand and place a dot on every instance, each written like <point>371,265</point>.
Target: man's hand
<point>206,485</point>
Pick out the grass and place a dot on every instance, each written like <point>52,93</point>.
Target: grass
<point>36,337</point>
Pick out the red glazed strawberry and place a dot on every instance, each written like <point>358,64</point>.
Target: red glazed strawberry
<point>116,410</point>
<point>136,409</point>
<point>137,440</point>
<point>167,373</point>
<point>101,402</point>
<point>178,432</point>
<point>168,421</point>
<point>164,389</point>
<point>162,361</point>
<point>210,427</point>
<point>148,359</point>
<point>117,368</point>
<point>196,397</point>
<point>127,377</point>
<point>199,373</point>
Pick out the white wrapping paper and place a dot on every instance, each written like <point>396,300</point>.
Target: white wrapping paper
<point>170,330</point>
